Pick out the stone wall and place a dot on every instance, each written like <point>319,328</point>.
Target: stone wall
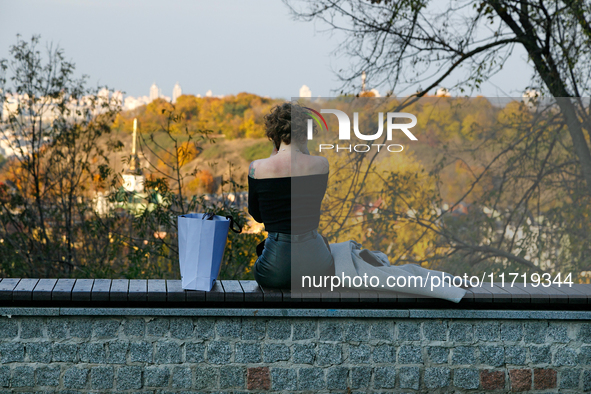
<point>174,354</point>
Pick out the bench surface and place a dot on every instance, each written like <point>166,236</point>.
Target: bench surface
<point>128,292</point>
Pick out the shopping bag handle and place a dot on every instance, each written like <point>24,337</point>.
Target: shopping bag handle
<point>210,215</point>
<point>232,223</point>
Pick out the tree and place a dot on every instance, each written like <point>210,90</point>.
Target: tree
<point>52,123</point>
<point>416,42</point>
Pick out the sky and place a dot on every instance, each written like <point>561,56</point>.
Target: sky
<point>227,46</point>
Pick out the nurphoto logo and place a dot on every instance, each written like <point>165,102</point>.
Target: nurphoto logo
<point>345,130</point>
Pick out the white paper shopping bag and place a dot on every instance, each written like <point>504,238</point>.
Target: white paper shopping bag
<point>202,241</point>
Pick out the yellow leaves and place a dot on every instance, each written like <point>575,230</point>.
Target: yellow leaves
<point>187,151</point>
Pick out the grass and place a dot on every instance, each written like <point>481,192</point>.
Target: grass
<point>256,151</point>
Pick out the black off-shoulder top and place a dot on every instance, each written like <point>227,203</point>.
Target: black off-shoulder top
<point>289,205</point>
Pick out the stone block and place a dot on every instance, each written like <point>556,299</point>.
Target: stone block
<point>492,380</point>
<point>492,355</point>
<point>463,355</point>
<point>23,376</point>
<point>384,354</point>
<point>511,332</point>
<point>587,380</point>
<point>56,328</point>
<point>356,330</point>
<point>438,354</point>
<point>195,352</point>
<point>31,328</point>
<point>585,355</point>
<point>219,352</point>
<point>156,376</point>
<point>279,329</point>
<point>535,331</point>
<point>228,327</point>
<point>274,352</point>
<point>311,379</point>
<point>382,330</point>
<point>129,377</point>
<point>330,330</point>
<point>8,327</point>
<point>181,327</point>
<point>64,352</point>
<point>304,353</point>
<point>181,377</point>
<point>435,330</point>
<point>47,376</point>
<point>11,352</point>
<point>39,352</point>
<point>360,377</point>
<point>466,378</point>
<point>5,377</point>
<point>360,354</point>
<point>558,332</point>
<point>520,379</point>
<point>461,332</point>
<point>487,331</point>
<point>106,328</point>
<point>409,377</point>
<point>565,356</point>
<point>75,378</point>
<point>540,354</point>
<point>206,378</point>
<point>204,327</point>
<point>80,327</point>
<point>253,329</point>
<point>167,353</point>
<point>101,378</point>
<point>584,333</point>
<point>569,378</point>
<point>247,353</point>
<point>117,352</point>
<point>384,377</point>
<point>515,355</point>
<point>159,327</point>
<point>544,379</point>
<point>336,378</point>
<point>259,378</point>
<point>141,351</point>
<point>408,331</point>
<point>408,354</point>
<point>329,354</point>
<point>232,377</point>
<point>437,377</point>
<point>281,378</point>
<point>134,327</point>
<point>304,329</point>
<point>92,352</point>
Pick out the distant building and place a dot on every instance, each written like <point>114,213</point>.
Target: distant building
<point>176,92</point>
<point>154,92</point>
<point>305,92</point>
<point>209,93</point>
<point>442,92</point>
<point>134,102</point>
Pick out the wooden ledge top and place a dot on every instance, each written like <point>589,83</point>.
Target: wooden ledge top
<point>136,292</point>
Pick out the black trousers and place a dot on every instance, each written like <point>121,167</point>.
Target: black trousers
<point>286,256</point>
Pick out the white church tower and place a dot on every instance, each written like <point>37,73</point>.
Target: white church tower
<point>176,92</point>
<point>133,178</point>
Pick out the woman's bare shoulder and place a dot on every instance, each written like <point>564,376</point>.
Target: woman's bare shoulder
<point>321,164</point>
